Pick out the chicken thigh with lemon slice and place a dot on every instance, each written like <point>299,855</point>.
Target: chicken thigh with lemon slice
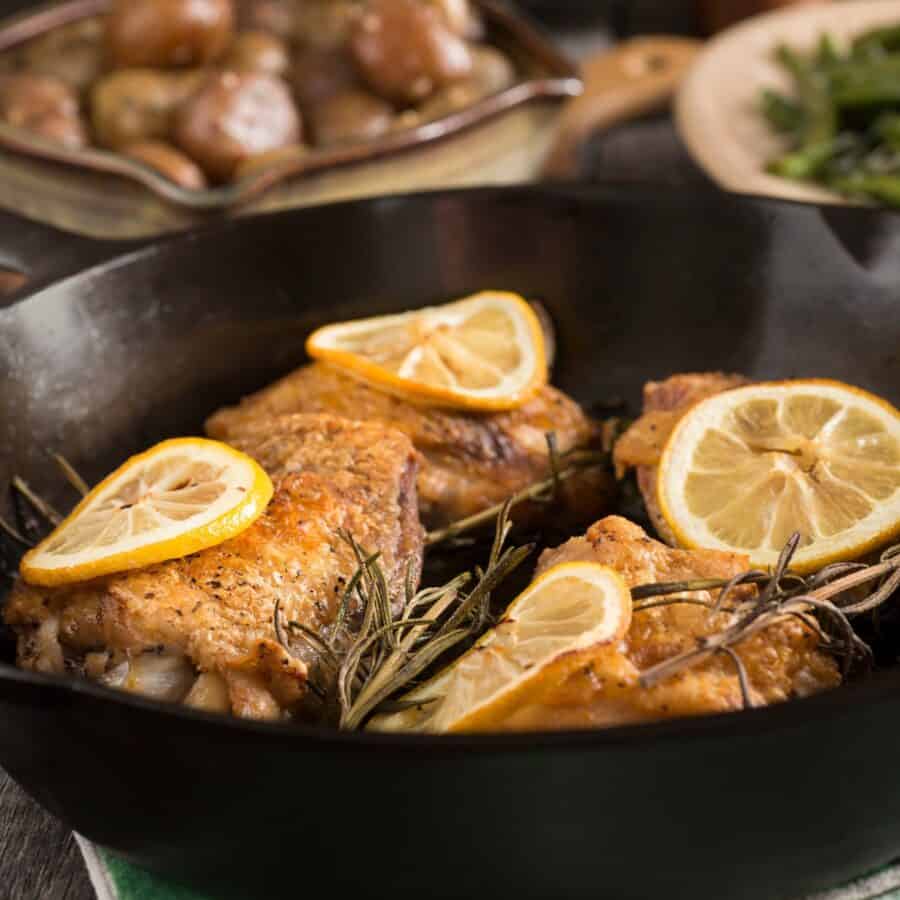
<point>395,370</point>
<point>781,662</point>
<point>558,624</point>
<point>726,464</point>
<point>569,652</point>
<point>199,628</point>
<point>641,446</point>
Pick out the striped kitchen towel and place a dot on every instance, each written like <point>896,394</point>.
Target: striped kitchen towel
<point>115,879</point>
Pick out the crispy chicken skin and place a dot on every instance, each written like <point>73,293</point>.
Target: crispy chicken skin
<point>641,447</point>
<point>154,630</point>
<point>781,662</point>
<point>469,461</point>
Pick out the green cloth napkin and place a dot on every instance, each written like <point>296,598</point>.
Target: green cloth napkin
<point>115,879</point>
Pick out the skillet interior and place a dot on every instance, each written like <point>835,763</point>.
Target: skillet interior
<point>640,283</point>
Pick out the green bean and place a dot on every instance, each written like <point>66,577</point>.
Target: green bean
<point>884,188</point>
<point>886,129</point>
<point>814,96</point>
<point>881,40</point>
<point>841,121</point>
<point>856,84</point>
<point>827,53</point>
<point>805,163</point>
<point>784,114</point>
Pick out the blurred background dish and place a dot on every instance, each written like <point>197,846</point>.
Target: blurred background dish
<point>115,87</point>
<point>719,106</point>
<point>359,133</point>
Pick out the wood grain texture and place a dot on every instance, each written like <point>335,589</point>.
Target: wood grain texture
<point>39,859</point>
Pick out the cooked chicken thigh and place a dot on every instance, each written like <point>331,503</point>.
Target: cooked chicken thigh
<point>200,629</point>
<point>781,662</point>
<point>641,447</point>
<point>469,461</point>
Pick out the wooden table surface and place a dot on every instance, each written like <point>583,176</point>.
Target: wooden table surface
<point>39,859</point>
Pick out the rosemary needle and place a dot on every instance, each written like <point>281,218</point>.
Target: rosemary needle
<point>41,505</point>
<point>14,533</point>
<point>71,474</point>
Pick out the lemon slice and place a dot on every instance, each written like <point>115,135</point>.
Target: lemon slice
<point>485,352</point>
<point>547,632</point>
<point>179,497</point>
<point>747,468</point>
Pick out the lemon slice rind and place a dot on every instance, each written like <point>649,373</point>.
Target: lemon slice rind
<point>421,355</point>
<point>181,496</point>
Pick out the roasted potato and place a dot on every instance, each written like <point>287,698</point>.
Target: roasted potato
<point>258,51</point>
<point>405,51</point>
<point>460,17</point>
<point>319,74</point>
<point>492,72</point>
<point>134,105</point>
<point>43,105</point>
<point>73,53</point>
<point>168,161</point>
<point>205,90</point>
<point>325,23</point>
<point>169,32</point>
<point>233,117</point>
<point>351,115</point>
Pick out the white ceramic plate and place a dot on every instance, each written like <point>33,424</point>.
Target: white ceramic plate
<point>717,108</point>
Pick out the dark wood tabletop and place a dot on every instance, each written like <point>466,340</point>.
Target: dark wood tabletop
<point>39,859</point>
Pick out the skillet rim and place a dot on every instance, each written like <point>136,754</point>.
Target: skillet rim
<point>879,688</point>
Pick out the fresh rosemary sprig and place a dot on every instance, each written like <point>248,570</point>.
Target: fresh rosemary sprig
<point>386,654</point>
<point>823,602</point>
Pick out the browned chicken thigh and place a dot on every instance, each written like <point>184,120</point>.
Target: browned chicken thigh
<point>469,461</point>
<point>665,402</point>
<point>782,661</point>
<point>200,630</point>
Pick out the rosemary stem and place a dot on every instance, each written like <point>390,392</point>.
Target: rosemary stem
<point>41,505</point>
<point>855,579</point>
<point>743,679</point>
<point>14,533</point>
<point>577,463</point>
<point>766,613</point>
<point>645,591</point>
<point>877,598</point>
<point>71,474</point>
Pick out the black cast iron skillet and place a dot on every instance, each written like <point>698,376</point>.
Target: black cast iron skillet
<point>641,282</point>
